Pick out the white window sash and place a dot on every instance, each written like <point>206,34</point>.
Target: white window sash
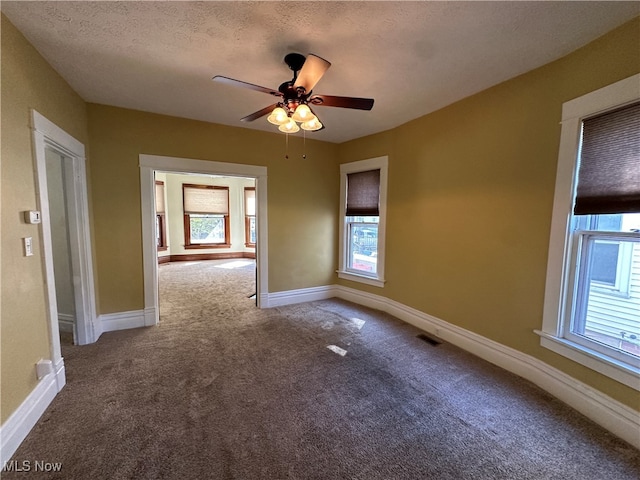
<point>349,243</point>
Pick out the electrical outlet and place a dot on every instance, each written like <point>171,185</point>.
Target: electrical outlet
<point>28,246</point>
<point>44,368</point>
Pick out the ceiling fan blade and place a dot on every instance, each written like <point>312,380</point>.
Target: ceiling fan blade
<point>259,113</point>
<point>238,83</point>
<point>311,72</point>
<point>344,102</point>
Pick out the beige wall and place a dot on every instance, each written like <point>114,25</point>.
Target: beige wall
<point>302,196</point>
<point>470,197</point>
<point>28,82</point>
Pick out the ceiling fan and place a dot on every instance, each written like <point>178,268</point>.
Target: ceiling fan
<point>296,95</point>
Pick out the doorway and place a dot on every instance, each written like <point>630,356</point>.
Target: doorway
<point>206,221</point>
<point>60,160</point>
<point>149,164</point>
<point>56,167</point>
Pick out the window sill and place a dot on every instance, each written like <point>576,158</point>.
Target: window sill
<point>354,277</point>
<point>619,371</point>
<point>208,245</point>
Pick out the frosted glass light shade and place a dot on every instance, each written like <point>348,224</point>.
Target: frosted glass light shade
<point>303,114</point>
<point>311,125</point>
<point>289,127</point>
<point>278,116</point>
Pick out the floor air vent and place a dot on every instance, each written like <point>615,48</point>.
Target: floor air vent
<point>429,339</point>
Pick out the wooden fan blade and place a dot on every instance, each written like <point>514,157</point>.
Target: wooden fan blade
<point>311,72</point>
<point>259,113</point>
<point>238,83</point>
<point>344,102</point>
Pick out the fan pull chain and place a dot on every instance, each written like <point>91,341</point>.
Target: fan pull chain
<point>286,148</point>
<point>304,144</point>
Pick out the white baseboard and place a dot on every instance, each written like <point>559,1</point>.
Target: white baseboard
<point>19,424</point>
<point>602,409</point>
<point>298,296</point>
<point>66,322</point>
<point>97,328</point>
<point>616,417</point>
<point>150,317</point>
<point>111,322</point>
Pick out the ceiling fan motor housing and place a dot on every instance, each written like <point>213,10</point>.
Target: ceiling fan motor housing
<point>292,96</point>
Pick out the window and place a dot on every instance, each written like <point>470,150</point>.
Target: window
<point>592,297</point>
<point>606,316</point>
<point>363,192</point>
<point>610,260</point>
<point>161,226</point>
<point>250,216</point>
<point>206,216</point>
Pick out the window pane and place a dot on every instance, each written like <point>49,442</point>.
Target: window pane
<point>609,312</point>
<point>362,254</point>
<point>207,228</point>
<point>158,232</point>
<point>630,222</point>
<point>618,222</point>
<point>161,231</point>
<point>608,223</point>
<point>252,229</point>
<point>604,262</point>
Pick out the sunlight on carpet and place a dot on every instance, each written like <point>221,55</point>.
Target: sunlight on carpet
<point>235,264</point>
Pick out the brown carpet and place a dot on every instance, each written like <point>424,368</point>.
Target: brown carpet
<point>221,390</point>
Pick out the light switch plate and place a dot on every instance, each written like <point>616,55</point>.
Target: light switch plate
<point>28,246</point>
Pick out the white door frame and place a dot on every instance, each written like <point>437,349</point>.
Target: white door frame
<point>148,165</point>
<point>86,327</point>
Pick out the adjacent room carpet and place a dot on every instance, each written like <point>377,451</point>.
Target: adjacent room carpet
<point>222,390</point>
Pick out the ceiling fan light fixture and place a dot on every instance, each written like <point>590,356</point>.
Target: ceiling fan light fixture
<point>295,96</point>
<point>303,113</point>
<point>311,125</point>
<point>278,116</point>
<point>289,127</point>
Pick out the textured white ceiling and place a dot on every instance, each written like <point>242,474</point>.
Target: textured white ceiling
<point>411,57</point>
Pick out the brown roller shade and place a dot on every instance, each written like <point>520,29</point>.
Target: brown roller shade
<point>206,199</point>
<point>609,174</point>
<point>363,193</point>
